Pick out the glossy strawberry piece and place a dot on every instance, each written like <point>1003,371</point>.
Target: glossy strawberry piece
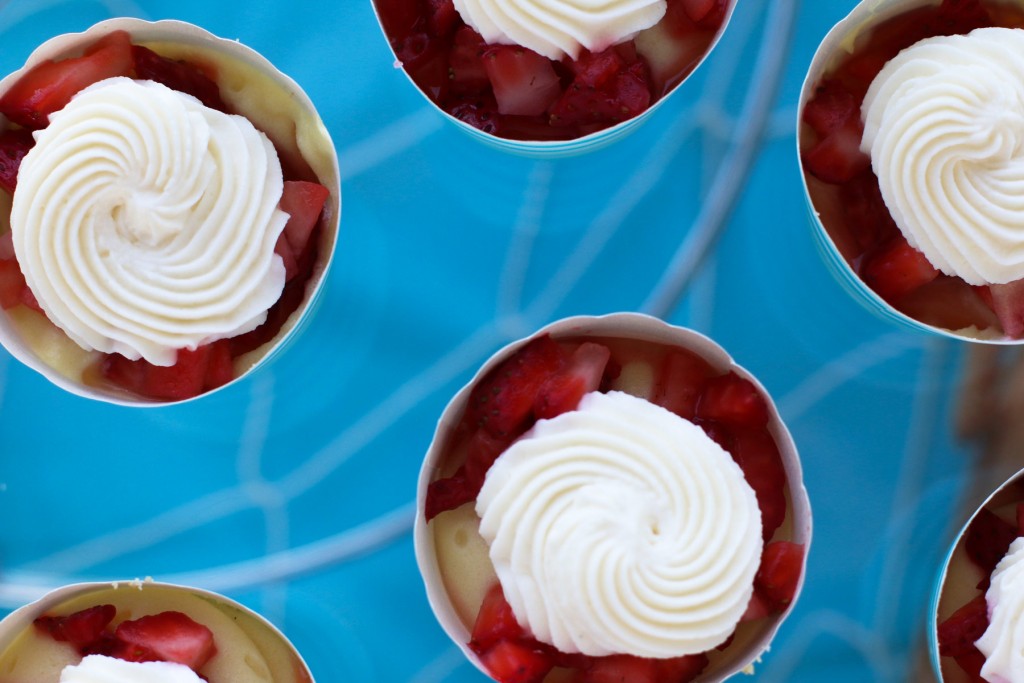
<point>837,157</point>
<point>958,633</point>
<point>733,400</point>
<point>82,629</point>
<point>513,662</point>
<point>582,374</point>
<point>1008,304</point>
<point>987,539</point>
<point>950,303</point>
<point>625,96</point>
<point>524,83</point>
<point>495,622</point>
<point>12,284</point>
<point>895,269</point>
<point>14,145</point>
<point>171,637</point>
<point>832,106</point>
<point>185,379</point>
<point>178,75</point>
<point>779,574</point>
<point>758,456</point>
<point>466,71</point>
<point>865,214</point>
<point>482,449</point>
<point>303,201</point>
<point>621,668</point>
<point>680,382</point>
<point>442,17</point>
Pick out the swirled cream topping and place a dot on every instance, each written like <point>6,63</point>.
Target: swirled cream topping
<point>101,669</point>
<point>555,28</point>
<point>145,222</point>
<point>1004,659</point>
<point>944,125</point>
<point>622,528</point>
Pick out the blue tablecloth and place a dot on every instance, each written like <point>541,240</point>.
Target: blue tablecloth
<point>293,492</point>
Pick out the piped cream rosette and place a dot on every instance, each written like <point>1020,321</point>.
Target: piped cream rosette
<point>632,546</point>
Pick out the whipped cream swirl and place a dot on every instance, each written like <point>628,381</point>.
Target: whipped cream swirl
<point>622,528</point>
<point>944,125</point>
<point>102,669</point>
<point>1004,659</point>
<point>145,222</point>
<point>556,28</point>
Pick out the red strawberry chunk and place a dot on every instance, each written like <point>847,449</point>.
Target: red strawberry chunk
<point>1008,304</point>
<point>621,669</point>
<point>961,16</point>
<point>987,539</point>
<point>524,82</point>
<point>681,669</point>
<point>625,96</point>
<point>971,662</point>
<point>697,10</point>
<point>865,213</point>
<point>681,381</point>
<point>495,622</point>
<point>836,157</point>
<point>596,70</point>
<point>503,401</point>
<point>482,449</point>
<point>779,573</point>
<point>733,400</point>
<point>466,70</point>
<point>562,392</point>
<point>171,636</point>
<point>482,115</point>
<point>220,368</point>
<point>757,608</point>
<point>442,17</point>
<point>14,145</point>
<point>50,85</point>
<point>832,106</point>
<point>758,456</point>
<point>82,629</point>
<point>12,284</point>
<point>958,633</point>
<point>895,269</point>
<point>182,76</point>
<point>185,379</point>
<point>512,662</point>
<point>447,494</point>
<point>303,202</point>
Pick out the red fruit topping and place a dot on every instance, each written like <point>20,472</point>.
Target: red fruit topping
<point>621,669</point>
<point>503,401</point>
<point>597,69</point>
<point>81,629</point>
<point>779,573</point>
<point>865,213</point>
<point>1008,304</point>
<point>836,158</point>
<point>303,202</point>
<point>171,637</point>
<point>524,82</point>
<point>971,662</point>
<point>442,17</point>
<point>50,85</point>
<point>987,539</point>
<point>194,372</point>
<point>482,449</point>
<point>757,608</point>
<point>681,669</point>
<point>184,77</point>
<point>895,269</point>
<point>961,16</point>
<point>681,381</point>
<point>562,392</point>
<point>494,622</point>
<point>832,106</point>
<point>702,10</point>
<point>950,303</point>
<point>758,456</point>
<point>958,633</point>
<point>733,400</point>
<point>219,366</point>
<point>482,115</point>
<point>621,98</point>
<point>447,494</point>
<point>14,145</point>
<point>512,662</point>
<point>12,284</point>
<point>466,71</point>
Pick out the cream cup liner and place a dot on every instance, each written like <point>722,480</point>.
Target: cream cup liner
<point>839,42</point>
<point>552,149</point>
<point>245,641</point>
<point>747,647</point>
<point>251,85</point>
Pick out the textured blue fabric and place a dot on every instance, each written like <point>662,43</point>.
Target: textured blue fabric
<point>293,491</point>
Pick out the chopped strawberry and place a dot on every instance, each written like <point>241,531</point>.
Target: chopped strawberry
<point>14,145</point>
<point>524,82</point>
<point>971,662</point>
<point>701,10</point>
<point>399,18</point>
<point>12,284</point>
<point>597,69</point>
<point>81,629</point>
<point>895,269</point>
<point>503,401</point>
<point>680,381</point>
<point>681,669</point>
<point>865,214</point>
<point>185,379</point>
<point>779,573</point>
<point>836,157</point>
<point>447,494</point>
<point>442,17</point>
<point>219,366</point>
<point>303,202</point>
<point>960,16</point>
<point>512,662</point>
<point>949,303</point>
<point>482,449</point>
<point>185,77</point>
<point>621,669</point>
<point>482,115</point>
<point>832,106</point>
<point>757,608</point>
<point>50,85</point>
<point>583,374</point>
<point>987,539</point>
<point>625,96</point>
<point>958,633</point>
<point>426,59</point>
<point>758,456</point>
<point>733,400</point>
<point>171,636</point>
<point>494,622</point>
<point>1008,304</point>
<point>466,70</point>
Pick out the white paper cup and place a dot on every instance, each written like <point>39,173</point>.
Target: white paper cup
<point>552,149</point>
<point>273,102</point>
<point>245,641</point>
<point>839,42</point>
<point>630,326</point>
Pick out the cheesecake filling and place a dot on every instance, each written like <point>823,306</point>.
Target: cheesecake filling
<point>556,28</point>
<point>622,528</point>
<point>145,222</point>
<point>944,126</point>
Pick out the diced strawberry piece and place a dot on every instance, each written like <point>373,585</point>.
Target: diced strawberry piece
<point>583,374</point>
<point>895,269</point>
<point>14,145</point>
<point>81,629</point>
<point>426,59</point>
<point>466,62</point>
<point>832,106</point>
<point>958,633</point>
<point>757,608</point>
<point>960,16</point>
<point>447,494</point>
<point>122,372</point>
<point>50,85</point>
<point>511,662</point>
<point>482,115</point>
<point>949,303</point>
<point>758,456</point>
<point>837,158</point>
<point>503,401</point>
<point>596,70</point>
<point>12,284</point>
<point>1008,304</point>
<point>987,539</point>
<point>171,636</point>
<point>681,669</point>
<point>7,246</point>
<point>29,299</point>
<point>681,380</point>
<point>625,96</point>
<point>971,663</point>
<point>303,201</point>
<point>182,76</point>
<point>621,669</point>
<point>185,379</point>
<point>400,18</point>
<point>779,573</point>
<point>482,449</point>
<point>219,366</point>
<point>524,82</point>
<point>698,10</point>
<point>865,213</point>
<point>495,622</point>
<point>442,17</point>
<point>733,400</point>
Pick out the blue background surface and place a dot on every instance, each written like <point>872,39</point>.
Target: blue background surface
<point>293,491</point>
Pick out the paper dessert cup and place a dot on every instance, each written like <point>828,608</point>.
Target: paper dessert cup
<point>246,642</point>
<point>250,85</point>
<point>551,149</point>
<point>840,41</point>
<point>958,579</point>
<point>749,643</point>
